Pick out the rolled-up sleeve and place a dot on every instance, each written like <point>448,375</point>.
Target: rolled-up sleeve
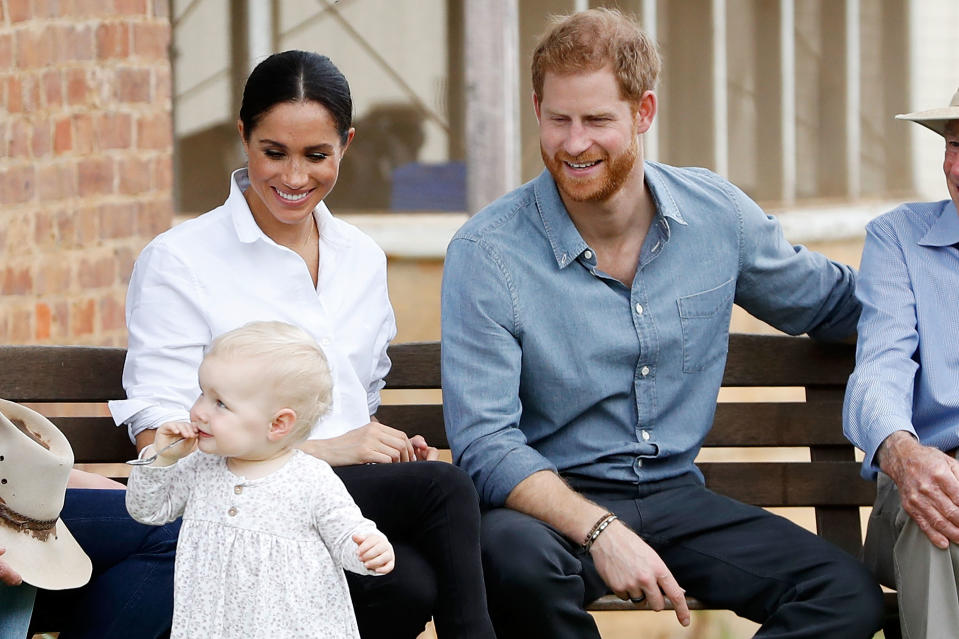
<point>481,365</point>
<point>879,396</point>
<point>167,334</point>
<point>793,289</point>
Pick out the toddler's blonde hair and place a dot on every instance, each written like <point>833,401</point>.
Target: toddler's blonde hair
<point>293,368</point>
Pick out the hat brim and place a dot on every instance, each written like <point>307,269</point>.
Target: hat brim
<point>934,119</point>
<point>57,563</point>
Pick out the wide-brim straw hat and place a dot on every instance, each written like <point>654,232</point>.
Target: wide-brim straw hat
<point>35,464</point>
<point>935,119</point>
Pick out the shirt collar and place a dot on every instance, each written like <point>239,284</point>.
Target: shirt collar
<point>564,238</point>
<point>248,231</point>
<point>945,230</point>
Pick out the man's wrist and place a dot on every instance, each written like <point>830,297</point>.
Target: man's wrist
<point>891,446</point>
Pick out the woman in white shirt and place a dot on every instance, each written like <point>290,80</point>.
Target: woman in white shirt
<point>273,251</point>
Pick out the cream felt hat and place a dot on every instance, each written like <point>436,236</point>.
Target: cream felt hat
<point>935,119</point>
<point>35,463</point>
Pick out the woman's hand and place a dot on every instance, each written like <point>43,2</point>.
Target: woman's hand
<point>373,443</point>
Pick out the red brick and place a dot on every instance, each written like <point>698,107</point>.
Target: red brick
<point>67,228</point>
<point>55,181</point>
<point>78,89</point>
<point>21,326</point>
<point>17,281</point>
<point>52,84</point>
<point>6,51</point>
<point>114,130</point>
<point>42,142</point>
<point>151,40</point>
<point>162,86</point>
<point>134,174</point>
<point>35,48</point>
<point>125,259</point>
<point>113,40</point>
<point>44,233</point>
<point>84,141</point>
<point>155,132</point>
<point>112,317</point>
<point>14,94</point>
<point>62,135</point>
<point>43,319</point>
<point>88,227</point>
<point>82,314</point>
<point>97,273</point>
<point>132,7</point>
<point>31,92</point>
<point>163,173</point>
<point>19,133</point>
<point>93,8</point>
<point>161,8</point>
<point>95,176</point>
<point>78,45</point>
<point>17,185</point>
<point>61,320</point>
<point>132,85</point>
<point>118,220</point>
<point>154,216</point>
<point>54,277</point>
<point>20,10</point>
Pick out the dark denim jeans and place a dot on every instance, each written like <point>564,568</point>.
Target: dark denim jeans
<point>130,595</point>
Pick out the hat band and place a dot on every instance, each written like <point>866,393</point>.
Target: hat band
<point>41,529</point>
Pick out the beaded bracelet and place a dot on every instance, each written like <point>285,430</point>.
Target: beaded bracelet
<point>598,528</point>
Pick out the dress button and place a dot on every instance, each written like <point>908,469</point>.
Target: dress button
<point>588,255</point>
<point>639,309</point>
<point>232,512</point>
<point>644,371</point>
<point>645,435</point>
<point>238,489</point>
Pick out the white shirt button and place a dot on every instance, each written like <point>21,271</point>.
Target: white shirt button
<point>644,371</point>
<point>588,255</point>
<point>645,435</point>
<point>639,309</point>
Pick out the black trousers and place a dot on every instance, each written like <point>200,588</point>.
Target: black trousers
<point>430,513</point>
<point>725,553</point>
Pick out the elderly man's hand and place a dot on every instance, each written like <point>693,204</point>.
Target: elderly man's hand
<point>928,482</point>
<point>8,575</point>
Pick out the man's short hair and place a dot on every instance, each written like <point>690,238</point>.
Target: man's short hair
<point>593,39</point>
<point>290,365</point>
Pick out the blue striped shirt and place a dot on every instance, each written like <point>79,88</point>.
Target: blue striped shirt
<point>907,357</point>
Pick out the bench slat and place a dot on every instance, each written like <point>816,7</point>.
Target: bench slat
<point>96,440</point>
<point>415,365</point>
<point>780,360</point>
<point>61,373</point>
<point>791,483</point>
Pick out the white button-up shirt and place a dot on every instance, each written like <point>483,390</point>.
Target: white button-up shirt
<point>219,271</point>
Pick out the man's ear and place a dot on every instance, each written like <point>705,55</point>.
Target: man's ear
<point>282,424</point>
<point>536,106</point>
<point>645,112</point>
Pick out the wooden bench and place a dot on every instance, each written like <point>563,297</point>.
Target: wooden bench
<point>827,481</point>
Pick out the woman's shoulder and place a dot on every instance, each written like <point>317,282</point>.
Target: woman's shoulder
<point>342,233</point>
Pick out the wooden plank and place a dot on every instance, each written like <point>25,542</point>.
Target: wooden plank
<point>415,365</point>
<point>612,602</point>
<point>96,440</point>
<point>781,360</point>
<point>61,373</point>
<point>790,483</point>
<point>746,424</point>
<point>416,419</point>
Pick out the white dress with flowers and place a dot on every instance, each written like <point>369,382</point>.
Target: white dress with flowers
<point>259,558</point>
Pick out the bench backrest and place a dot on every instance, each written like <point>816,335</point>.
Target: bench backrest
<point>83,378</point>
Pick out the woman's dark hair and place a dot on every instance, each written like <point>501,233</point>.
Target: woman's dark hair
<point>296,76</point>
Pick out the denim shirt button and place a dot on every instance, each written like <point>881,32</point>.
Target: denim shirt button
<point>588,255</point>
<point>644,371</point>
<point>639,309</point>
<point>645,435</point>
<point>639,462</point>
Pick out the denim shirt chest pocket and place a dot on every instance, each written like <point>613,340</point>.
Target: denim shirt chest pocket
<point>705,320</point>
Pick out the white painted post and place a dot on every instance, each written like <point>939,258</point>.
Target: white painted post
<point>787,55</point>
<point>651,138</point>
<point>492,100</point>
<point>720,90</point>
<point>853,100</point>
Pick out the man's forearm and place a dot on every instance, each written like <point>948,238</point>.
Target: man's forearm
<point>547,497</point>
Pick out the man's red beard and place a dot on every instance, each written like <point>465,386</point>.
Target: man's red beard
<point>598,188</point>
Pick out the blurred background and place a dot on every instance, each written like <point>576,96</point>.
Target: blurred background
<point>117,120</point>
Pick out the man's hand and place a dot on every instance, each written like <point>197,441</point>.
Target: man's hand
<point>633,570</point>
<point>928,482</point>
<point>8,576</point>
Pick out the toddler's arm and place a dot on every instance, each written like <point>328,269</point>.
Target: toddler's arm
<point>158,493</point>
<point>375,551</point>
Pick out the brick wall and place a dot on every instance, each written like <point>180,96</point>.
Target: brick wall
<point>85,162</point>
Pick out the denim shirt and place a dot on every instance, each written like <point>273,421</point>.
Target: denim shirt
<point>550,364</point>
<point>907,366</point>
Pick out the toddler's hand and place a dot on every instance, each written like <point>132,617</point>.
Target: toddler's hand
<point>375,551</point>
<point>168,433</point>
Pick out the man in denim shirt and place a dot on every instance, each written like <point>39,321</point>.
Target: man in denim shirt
<point>585,323</point>
<point>902,406</point>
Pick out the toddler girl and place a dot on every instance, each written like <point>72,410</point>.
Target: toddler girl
<point>267,529</point>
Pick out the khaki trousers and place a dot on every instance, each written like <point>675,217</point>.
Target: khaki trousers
<point>901,556</point>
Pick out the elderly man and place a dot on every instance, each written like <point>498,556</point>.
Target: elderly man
<point>585,322</point>
<point>902,404</point>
